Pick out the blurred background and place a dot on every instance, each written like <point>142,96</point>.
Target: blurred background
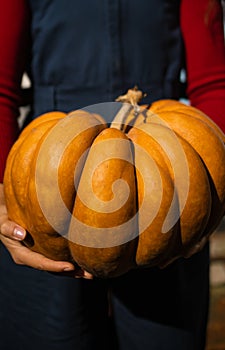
<point>216,325</point>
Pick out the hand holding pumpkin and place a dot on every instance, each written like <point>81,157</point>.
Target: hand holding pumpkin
<point>143,192</point>
<point>12,236</point>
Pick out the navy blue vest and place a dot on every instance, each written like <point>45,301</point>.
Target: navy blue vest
<point>91,51</point>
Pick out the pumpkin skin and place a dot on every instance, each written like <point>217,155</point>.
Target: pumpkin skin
<point>201,130</point>
<point>173,105</point>
<point>102,250</point>
<point>196,206</point>
<point>22,202</point>
<point>111,199</point>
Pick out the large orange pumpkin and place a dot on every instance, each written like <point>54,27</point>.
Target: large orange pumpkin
<point>137,193</point>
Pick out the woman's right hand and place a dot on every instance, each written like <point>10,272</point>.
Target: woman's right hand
<point>12,236</point>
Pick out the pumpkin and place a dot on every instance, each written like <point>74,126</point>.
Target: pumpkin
<point>137,193</point>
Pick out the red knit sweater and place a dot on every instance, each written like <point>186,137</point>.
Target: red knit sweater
<point>201,24</point>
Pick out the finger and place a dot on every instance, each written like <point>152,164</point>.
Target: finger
<point>40,262</point>
<point>83,274</point>
<point>12,230</point>
<point>77,273</point>
<point>24,256</point>
<point>88,275</point>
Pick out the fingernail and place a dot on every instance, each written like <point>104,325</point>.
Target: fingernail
<point>19,234</point>
<point>69,268</point>
<point>88,275</point>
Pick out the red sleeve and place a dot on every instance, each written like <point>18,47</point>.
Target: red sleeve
<point>202,28</point>
<point>14,36</point>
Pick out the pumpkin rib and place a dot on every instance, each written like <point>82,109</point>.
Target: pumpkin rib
<point>154,245</point>
<point>199,201</point>
<point>84,113</point>
<point>37,122</point>
<point>51,156</point>
<point>196,209</point>
<point>20,157</point>
<point>164,104</point>
<point>201,131</point>
<point>177,106</point>
<point>101,234</point>
<point>45,157</point>
<point>30,144</point>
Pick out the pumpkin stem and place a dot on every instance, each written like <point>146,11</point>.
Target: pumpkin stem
<point>119,121</point>
<point>130,102</point>
<point>133,96</point>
